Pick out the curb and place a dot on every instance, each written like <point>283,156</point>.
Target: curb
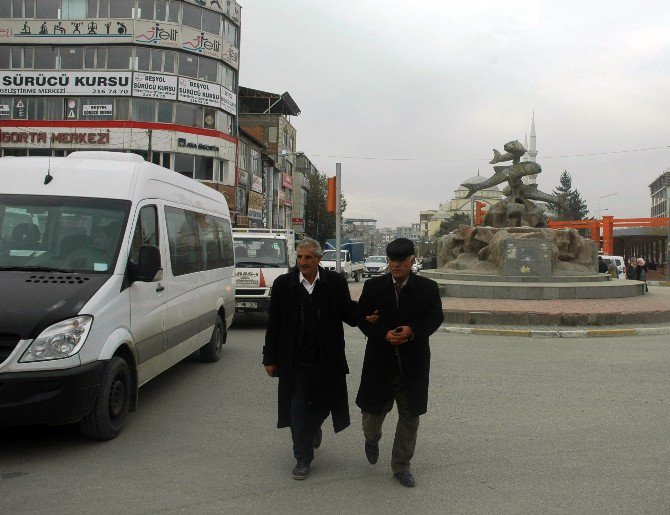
<point>558,333</point>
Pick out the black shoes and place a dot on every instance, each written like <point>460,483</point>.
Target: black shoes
<point>372,452</point>
<point>316,439</point>
<point>405,478</point>
<point>301,469</point>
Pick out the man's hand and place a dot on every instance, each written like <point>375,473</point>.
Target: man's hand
<point>373,318</point>
<point>399,335</point>
<point>271,370</point>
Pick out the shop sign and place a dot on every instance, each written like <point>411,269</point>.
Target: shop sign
<point>65,83</point>
<point>228,101</point>
<point>158,34</point>
<point>199,92</point>
<point>201,43</point>
<point>298,221</point>
<point>287,181</point>
<point>66,31</point>
<point>4,109</point>
<point>242,176</point>
<point>97,110</point>
<point>242,221</point>
<point>182,142</point>
<point>256,184</point>
<point>77,138</point>
<point>152,85</point>
<point>255,205</point>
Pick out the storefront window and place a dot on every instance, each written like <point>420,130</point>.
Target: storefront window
<point>203,168</point>
<point>183,163</point>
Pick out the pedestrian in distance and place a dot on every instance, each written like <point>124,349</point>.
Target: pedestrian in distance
<point>641,272</point>
<point>602,266</point>
<point>304,348</point>
<point>397,355</point>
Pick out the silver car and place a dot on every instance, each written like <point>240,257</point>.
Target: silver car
<point>374,265</point>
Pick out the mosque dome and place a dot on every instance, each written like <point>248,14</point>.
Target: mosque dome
<point>462,191</point>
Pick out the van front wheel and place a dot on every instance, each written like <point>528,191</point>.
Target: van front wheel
<point>108,415</point>
<point>211,352</point>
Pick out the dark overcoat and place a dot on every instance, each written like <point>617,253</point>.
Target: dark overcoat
<point>420,308</point>
<point>284,333</point>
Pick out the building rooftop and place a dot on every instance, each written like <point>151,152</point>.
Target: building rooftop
<point>255,101</point>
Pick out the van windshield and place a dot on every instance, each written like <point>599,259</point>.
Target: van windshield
<point>66,234</point>
<point>260,252</point>
<point>331,255</point>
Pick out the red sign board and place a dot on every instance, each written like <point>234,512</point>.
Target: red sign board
<point>297,221</point>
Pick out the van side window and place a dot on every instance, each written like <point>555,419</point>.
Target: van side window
<point>146,231</point>
<point>197,241</point>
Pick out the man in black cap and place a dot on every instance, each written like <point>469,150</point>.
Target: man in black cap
<point>397,356</point>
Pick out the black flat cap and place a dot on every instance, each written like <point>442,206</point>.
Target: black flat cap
<point>400,248</point>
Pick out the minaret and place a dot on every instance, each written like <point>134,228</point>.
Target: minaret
<point>532,151</point>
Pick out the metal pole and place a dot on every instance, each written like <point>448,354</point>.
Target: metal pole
<point>472,211</point>
<point>338,229</point>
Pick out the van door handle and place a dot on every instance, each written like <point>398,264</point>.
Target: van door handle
<point>160,287</point>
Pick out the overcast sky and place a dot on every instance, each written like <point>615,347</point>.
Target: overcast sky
<point>411,97</point>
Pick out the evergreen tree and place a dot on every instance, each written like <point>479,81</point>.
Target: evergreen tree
<point>575,208</point>
<point>451,223</point>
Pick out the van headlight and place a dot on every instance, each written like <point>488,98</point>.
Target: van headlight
<point>60,340</point>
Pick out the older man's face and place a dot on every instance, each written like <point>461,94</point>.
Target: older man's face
<point>308,263</point>
<point>400,268</point>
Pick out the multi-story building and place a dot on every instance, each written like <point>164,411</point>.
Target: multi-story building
<point>267,117</point>
<point>660,190</point>
<point>362,229</point>
<point>303,170</point>
<point>411,232</point>
<point>250,184</point>
<point>154,77</point>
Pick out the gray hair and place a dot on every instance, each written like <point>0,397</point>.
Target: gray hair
<point>310,244</point>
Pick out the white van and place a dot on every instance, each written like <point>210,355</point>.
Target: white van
<point>618,262</point>
<point>112,270</point>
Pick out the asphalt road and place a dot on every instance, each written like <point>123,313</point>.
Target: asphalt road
<point>515,425</point>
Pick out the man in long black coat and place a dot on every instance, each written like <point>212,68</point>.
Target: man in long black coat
<point>397,355</point>
<point>304,347</point>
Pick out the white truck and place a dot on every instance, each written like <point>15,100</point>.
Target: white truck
<point>350,269</point>
<point>261,255</point>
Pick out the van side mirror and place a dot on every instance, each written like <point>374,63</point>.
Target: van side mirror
<point>149,264</point>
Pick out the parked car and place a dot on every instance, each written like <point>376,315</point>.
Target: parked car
<point>618,262</point>
<point>374,265</point>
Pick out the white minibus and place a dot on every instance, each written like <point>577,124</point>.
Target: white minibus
<point>112,269</point>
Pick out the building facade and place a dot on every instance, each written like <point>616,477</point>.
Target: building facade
<point>659,190</point>
<point>266,116</point>
<point>154,77</point>
<point>250,200</point>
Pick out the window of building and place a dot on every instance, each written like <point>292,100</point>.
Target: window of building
<point>4,58</point>
<point>255,162</point>
<point>143,110</point>
<point>203,168</point>
<point>5,10</point>
<point>103,8</point>
<point>121,108</point>
<point>188,65</point>
<point>145,9</point>
<point>170,60</point>
<point>165,109</point>
<point>183,163</point>
<point>118,58</point>
<point>207,69</point>
<point>230,32</point>
<point>191,16</point>
<point>242,151</point>
<point>89,57</point>
<point>211,22</point>
<point>228,78</point>
<point>16,58</point>
<point>121,8</point>
<point>46,10</point>
<point>101,57</point>
<point>45,108</point>
<point>184,114</point>
<point>224,122</point>
<point>142,58</point>
<point>73,9</point>
<point>72,58</point>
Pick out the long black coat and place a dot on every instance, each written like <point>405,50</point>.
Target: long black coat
<point>420,308</point>
<point>283,334</point>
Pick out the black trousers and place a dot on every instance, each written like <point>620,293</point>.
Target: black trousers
<point>308,409</point>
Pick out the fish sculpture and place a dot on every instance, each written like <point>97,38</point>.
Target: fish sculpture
<point>514,151</point>
<point>531,192</point>
<point>504,173</point>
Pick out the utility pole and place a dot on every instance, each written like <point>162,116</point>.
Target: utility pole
<point>338,209</point>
